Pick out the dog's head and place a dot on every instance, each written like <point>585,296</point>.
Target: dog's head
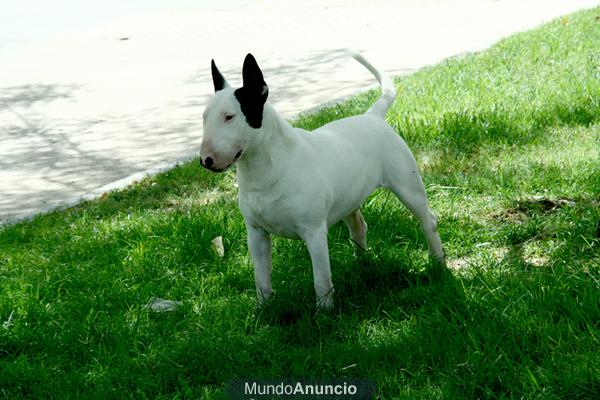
<point>232,117</point>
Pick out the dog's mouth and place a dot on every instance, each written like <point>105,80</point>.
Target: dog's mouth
<point>208,163</point>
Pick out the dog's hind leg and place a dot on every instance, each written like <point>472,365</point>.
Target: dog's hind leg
<point>408,187</point>
<point>358,228</point>
<point>418,205</point>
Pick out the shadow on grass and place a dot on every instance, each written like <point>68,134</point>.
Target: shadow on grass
<point>460,134</point>
<point>531,222</point>
<point>367,285</point>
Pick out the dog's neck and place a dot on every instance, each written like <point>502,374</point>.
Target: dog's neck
<point>261,165</point>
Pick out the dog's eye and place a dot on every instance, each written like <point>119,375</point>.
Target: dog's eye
<point>229,118</point>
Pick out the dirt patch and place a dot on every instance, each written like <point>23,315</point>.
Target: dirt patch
<point>542,204</point>
<point>532,205</point>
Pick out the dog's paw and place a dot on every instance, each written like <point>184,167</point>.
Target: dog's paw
<point>325,303</point>
<point>437,268</point>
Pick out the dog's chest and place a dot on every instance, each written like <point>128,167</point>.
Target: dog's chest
<point>271,212</point>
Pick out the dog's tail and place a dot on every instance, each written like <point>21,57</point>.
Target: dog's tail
<point>388,91</point>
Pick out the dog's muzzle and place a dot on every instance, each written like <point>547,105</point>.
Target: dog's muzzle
<point>209,163</point>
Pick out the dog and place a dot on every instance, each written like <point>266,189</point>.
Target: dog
<point>297,184</point>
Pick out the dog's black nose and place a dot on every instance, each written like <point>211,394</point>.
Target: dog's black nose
<point>208,164</point>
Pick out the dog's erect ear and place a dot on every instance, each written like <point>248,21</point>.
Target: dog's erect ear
<point>253,95</point>
<point>218,80</point>
<point>253,77</point>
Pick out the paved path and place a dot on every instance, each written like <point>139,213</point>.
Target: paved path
<point>89,96</point>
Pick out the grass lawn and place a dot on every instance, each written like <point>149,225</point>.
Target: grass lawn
<point>508,142</point>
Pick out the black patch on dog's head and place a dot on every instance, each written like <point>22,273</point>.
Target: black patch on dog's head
<point>253,95</point>
<point>218,80</point>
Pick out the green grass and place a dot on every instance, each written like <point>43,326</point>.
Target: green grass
<point>507,141</point>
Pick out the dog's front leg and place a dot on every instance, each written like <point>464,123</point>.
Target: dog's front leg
<point>259,243</point>
<point>316,241</point>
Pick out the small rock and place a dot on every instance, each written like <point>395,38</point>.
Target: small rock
<point>217,244</point>
<point>157,304</point>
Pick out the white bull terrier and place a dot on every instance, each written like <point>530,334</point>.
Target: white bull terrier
<point>297,184</point>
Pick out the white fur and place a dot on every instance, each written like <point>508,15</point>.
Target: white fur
<point>297,184</point>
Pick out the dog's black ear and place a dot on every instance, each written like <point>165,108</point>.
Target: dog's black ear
<point>253,95</point>
<point>218,80</point>
<point>253,77</point>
